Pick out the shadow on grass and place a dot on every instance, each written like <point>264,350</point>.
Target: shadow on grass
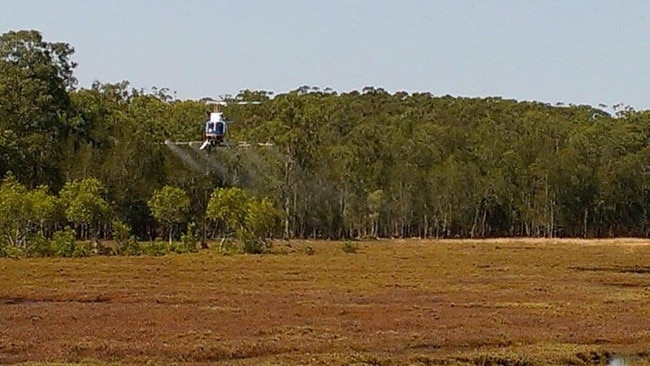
<point>615,269</point>
<point>17,300</point>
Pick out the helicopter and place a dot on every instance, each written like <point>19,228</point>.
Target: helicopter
<point>216,129</point>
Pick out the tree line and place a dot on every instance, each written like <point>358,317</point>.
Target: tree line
<point>365,163</point>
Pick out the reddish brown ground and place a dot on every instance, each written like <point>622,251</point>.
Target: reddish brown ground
<point>467,302</point>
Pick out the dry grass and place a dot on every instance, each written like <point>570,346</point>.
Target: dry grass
<point>485,302</point>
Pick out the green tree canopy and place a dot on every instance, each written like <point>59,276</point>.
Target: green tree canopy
<point>445,166</point>
<point>35,79</point>
<point>23,211</point>
<point>84,204</point>
<point>228,206</point>
<point>170,206</point>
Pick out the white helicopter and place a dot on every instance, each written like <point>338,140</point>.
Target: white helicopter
<point>216,128</point>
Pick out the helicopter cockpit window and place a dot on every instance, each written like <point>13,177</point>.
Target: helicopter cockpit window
<point>220,127</point>
<point>210,127</point>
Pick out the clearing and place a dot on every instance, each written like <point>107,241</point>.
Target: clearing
<point>505,302</point>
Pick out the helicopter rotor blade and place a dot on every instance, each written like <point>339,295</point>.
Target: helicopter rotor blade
<point>221,102</point>
<point>190,143</point>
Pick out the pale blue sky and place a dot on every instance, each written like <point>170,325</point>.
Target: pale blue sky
<point>581,52</point>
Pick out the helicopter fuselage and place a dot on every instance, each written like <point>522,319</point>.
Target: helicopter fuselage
<point>215,131</point>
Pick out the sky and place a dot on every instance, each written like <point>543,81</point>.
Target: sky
<point>570,51</point>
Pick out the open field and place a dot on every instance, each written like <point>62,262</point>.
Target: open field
<point>499,302</point>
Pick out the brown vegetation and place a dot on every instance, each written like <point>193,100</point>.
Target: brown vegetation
<point>503,302</point>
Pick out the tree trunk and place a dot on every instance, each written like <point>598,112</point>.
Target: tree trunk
<point>426,224</point>
<point>584,222</point>
<point>287,200</point>
<point>483,221</point>
<point>475,221</point>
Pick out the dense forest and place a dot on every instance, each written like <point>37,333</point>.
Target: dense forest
<point>364,163</point>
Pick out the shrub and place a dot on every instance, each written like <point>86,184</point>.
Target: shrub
<point>81,250</point>
<point>127,244</point>
<point>130,247</point>
<point>102,249</point>
<point>309,250</point>
<point>11,251</point>
<point>252,245</point>
<point>227,246</point>
<point>189,239</point>
<point>121,231</point>
<point>178,248</point>
<point>350,247</point>
<point>39,246</point>
<point>156,248</point>
<point>63,243</point>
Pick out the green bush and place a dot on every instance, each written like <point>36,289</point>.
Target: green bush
<point>253,246</point>
<point>189,239</point>
<point>156,248</point>
<point>81,249</point>
<point>227,246</point>
<point>127,244</point>
<point>39,246</point>
<point>10,251</point>
<point>121,231</point>
<point>350,247</point>
<point>102,249</point>
<point>63,243</point>
<point>130,247</point>
<point>178,248</point>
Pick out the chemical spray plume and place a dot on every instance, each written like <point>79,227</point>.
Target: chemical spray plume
<point>212,164</point>
<point>184,156</point>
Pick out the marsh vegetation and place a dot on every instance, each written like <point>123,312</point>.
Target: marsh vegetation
<point>505,302</point>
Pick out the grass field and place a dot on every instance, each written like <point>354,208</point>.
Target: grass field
<point>500,302</point>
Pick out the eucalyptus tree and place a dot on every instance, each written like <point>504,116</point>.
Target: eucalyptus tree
<point>35,113</point>
<point>84,205</point>
<point>24,212</point>
<point>169,206</point>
